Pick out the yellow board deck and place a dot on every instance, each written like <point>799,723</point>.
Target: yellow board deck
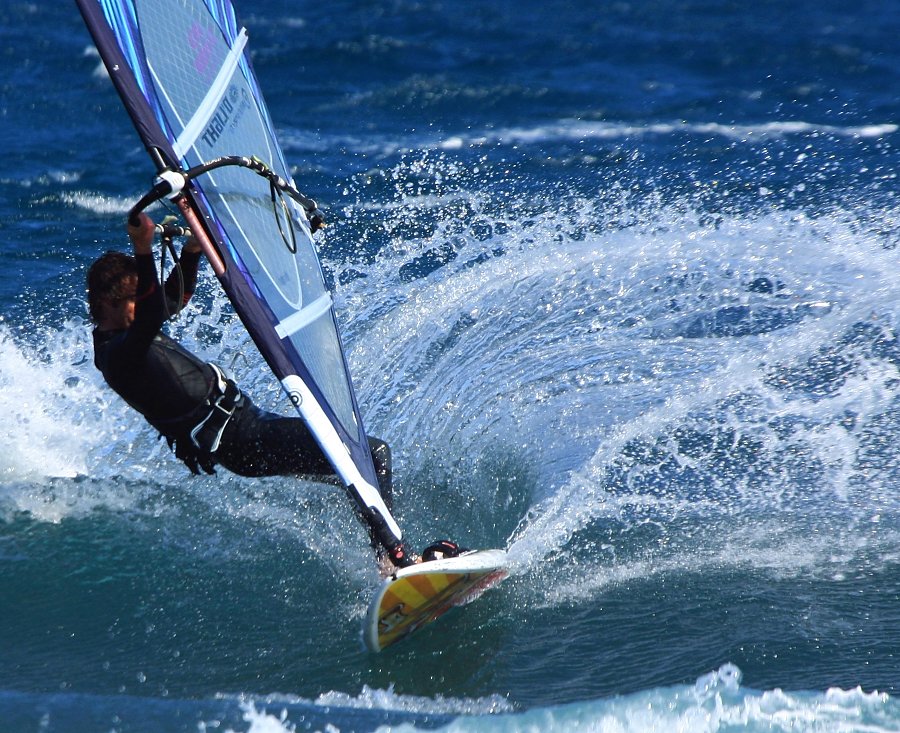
<point>419,594</point>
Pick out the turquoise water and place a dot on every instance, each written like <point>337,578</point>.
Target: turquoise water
<point>618,284</point>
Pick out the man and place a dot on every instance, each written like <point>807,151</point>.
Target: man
<point>201,413</point>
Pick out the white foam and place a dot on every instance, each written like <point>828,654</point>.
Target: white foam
<point>274,713</point>
<point>65,433</point>
<point>97,203</point>
<point>587,130</point>
<point>39,434</point>
<point>716,702</point>
<point>377,699</point>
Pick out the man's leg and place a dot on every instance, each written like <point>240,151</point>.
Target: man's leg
<point>260,443</point>
<point>381,457</point>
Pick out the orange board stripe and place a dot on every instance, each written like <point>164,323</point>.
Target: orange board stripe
<point>414,601</point>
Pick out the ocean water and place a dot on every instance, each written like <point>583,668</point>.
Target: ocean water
<point>618,282</point>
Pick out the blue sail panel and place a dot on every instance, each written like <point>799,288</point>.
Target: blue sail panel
<point>183,72</point>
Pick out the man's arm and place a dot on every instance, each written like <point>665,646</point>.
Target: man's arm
<point>180,287</point>
<point>149,309</point>
<point>142,235</point>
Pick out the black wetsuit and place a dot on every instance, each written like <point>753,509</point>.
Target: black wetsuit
<point>173,390</point>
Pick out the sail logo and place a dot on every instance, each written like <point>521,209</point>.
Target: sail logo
<point>202,42</point>
<point>218,122</point>
<point>227,115</point>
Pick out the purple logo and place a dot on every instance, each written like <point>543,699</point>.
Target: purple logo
<point>202,42</point>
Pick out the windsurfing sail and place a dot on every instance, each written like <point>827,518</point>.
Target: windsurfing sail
<point>183,72</point>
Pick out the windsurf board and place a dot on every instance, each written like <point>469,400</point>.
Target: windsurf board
<point>417,595</point>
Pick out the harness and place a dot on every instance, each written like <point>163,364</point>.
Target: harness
<point>207,434</point>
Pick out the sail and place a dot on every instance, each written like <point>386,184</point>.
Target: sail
<point>183,72</point>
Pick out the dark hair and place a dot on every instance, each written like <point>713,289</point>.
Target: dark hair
<point>108,279</point>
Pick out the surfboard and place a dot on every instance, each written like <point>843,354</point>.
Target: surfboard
<point>417,595</point>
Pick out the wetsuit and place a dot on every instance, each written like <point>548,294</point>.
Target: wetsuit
<point>175,391</point>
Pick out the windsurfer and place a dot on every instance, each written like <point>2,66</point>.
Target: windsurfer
<point>202,414</point>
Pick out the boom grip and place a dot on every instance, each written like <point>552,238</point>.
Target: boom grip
<point>169,182</point>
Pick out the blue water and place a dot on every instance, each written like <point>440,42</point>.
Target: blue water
<point>618,282</point>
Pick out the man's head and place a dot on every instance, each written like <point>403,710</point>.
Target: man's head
<point>112,284</point>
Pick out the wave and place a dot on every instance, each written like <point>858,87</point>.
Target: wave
<point>715,702</point>
<point>577,131</point>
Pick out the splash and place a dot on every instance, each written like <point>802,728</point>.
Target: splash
<point>46,396</point>
<point>641,365</point>
<point>570,375</point>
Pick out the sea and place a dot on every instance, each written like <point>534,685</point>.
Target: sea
<point>618,281</point>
